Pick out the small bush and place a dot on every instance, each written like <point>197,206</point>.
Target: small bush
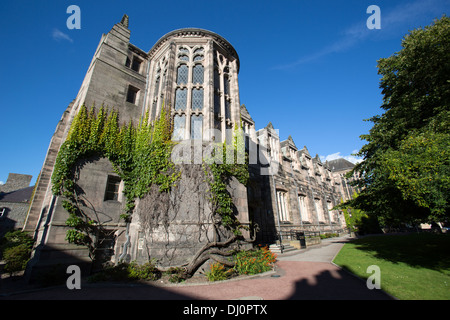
<point>127,272</point>
<point>176,274</point>
<point>16,258</point>
<point>218,272</point>
<point>14,238</point>
<point>254,261</point>
<point>328,235</point>
<point>16,249</point>
<point>147,271</point>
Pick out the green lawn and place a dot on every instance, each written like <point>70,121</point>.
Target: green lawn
<point>413,266</point>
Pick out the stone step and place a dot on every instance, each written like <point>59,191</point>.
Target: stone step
<point>277,249</point>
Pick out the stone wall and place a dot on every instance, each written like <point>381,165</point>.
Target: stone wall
<point>13,217</point>
<point>172,227</point>
<point>15,181</point>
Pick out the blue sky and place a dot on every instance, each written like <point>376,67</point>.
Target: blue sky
<point>309,67</point>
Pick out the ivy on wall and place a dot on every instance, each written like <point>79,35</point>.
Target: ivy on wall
<point>222,169</point>
<point>140,156</point>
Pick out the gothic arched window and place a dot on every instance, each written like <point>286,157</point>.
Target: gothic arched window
<point>197,99</point>
<point>179,127</point>
<point>183,57</point>
<point>182,74</point>
<point>197,127</point>
<point>180,99</point>
<point>226,84</point>
<point>197,74</point>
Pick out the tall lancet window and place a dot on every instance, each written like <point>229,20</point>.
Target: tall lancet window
<point>197,74</point>
<point>180,99</point>
<point>189,93</point>
<point>155,96</point>
<point>226,84</point>
<point>197,99</point>
<point>227,109</point>
<point>197,127</point>
<point>179,127</point>
<point>182,74</point>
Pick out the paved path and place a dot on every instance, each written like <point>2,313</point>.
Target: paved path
<point>305,275</point>
<point>325,252</point>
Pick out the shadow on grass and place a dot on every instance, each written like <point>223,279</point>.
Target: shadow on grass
<point>423,250</point>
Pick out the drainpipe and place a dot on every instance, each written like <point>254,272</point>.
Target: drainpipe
<point>126,243</point>
<point>298,200</point>
<point>147,83</point>
<point>278,213</point>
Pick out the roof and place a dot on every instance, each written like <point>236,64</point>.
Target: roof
<point>197,32</point>
<point>245,114</point>
<point>288,142</point>
<point>21,195</point>
<point>340,164</point>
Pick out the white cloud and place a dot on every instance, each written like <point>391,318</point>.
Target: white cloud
<point>1,182</point>
<point>337,155</point>
<point>59,35</point>
<point>392,21</point>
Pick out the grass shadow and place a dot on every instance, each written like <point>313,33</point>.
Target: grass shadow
<point>419,250</point>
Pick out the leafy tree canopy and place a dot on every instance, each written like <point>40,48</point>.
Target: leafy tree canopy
<point>405,173</point>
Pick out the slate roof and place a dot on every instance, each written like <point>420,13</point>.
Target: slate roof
<point>21,195</point>
<point>340,164</point>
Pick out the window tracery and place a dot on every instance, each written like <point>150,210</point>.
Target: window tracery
<point>197,99</point>
<point>197,127</point>
<point>189,93</point>
<point>182,74</point>
<point>179,127</point>
<point>180,99</point>
<point>198,74</point>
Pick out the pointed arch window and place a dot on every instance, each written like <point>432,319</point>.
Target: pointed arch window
<point>216,79</point>
<point>227,109</point>
<point>226,84</point>
<point>182,74</point>
<point>197,127</point>
<point>197,74</point>
<point>197,99</point>
<point>198,50</point>
<point>183,50</point>
<point>183,57</point>
<point>198,58</point>
<point>180,99</point>
<point>179,127</point>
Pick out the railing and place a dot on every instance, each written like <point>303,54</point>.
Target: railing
<point>294,232</point>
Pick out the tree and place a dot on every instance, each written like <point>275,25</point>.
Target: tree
<point>420,169</point>
<point>405,172</point>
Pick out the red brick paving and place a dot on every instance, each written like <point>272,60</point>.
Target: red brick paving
<point>298,280</point>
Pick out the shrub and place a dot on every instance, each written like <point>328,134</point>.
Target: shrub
<point>16,248</point>
<point>17,237</point>
<point>16,258</point>
<point>218,272</point>
<point>328,235</point>
<point>147,271</point>
<point>176,274</point>
<point>254,261</point>
<point>126,272</point>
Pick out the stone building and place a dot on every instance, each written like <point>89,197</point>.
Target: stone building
<point>193,73</point>
<point>15,197</point>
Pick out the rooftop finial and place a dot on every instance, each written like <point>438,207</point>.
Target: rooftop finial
<point>124,21</point>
